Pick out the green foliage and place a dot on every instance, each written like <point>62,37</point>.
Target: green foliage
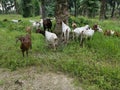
<point>50,8</point>
<point>35,7</point>
<point>80,21</point>
<point>27,8</point>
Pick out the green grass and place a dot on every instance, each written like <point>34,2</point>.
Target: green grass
<point>95,66</point>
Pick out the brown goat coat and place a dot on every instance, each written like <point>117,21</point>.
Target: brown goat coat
<point>25,43</point>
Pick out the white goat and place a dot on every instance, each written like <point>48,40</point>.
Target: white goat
<point>86,34</point>
<point>51,38</point>
<point>78,31</point>
<point>35,24</point>
<point>99,29</point>
<point>41,22</point>
<point>15,21</point>
<point>65,31</point>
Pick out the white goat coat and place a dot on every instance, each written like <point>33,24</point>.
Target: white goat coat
<point>41,22</point>
<point>51,38</point>
<point>65,31</point>
<point>79,30</point>
<point>15,21</point>
<point>112,32</point>
<point>35,23</point>
<point>99,29</point>
<point>88,33</point>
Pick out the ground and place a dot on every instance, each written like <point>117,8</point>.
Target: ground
<point>33,79</point>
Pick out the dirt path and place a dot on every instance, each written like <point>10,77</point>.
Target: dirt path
<point>33,79</point>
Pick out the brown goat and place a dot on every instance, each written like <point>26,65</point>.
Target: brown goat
<point>95,27</point>
<point>74,25</point>
<point>25,43</point>
<point>109,32</point>
<point>28,30</point>
<point>117,34</point>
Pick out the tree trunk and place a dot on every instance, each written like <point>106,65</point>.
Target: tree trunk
<point>113,9</point>
<point>61,14</point>
<point>75,8</point>
<point>102,10</point>
<point>43,8</point>
<point>16,7</point>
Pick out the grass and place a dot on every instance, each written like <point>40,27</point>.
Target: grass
<point>95,66</point>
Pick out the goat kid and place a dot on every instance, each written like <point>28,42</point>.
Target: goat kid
<point>28,30</point>
<point>25,43</point>
<point>97,28</point>
<point>40,31</point>
<point>51,38</point>
<point>109,32</point>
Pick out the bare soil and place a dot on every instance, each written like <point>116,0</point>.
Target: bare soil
<point>33,79</point>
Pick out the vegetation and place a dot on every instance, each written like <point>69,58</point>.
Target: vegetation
<point>95,66</point>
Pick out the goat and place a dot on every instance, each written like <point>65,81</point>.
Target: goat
<point>77,31</point>
<point>25,43</point>
<point>65,32</point>
<point>15,21</point>
<point>117,34</point>
<point>74,25</point>
<point>35,24</point>
<point>86,34</point>
<point>51,38</point>
<point>47,24</point>
<point>28,30</point>
<point>41,22</point>
<point>97,28</point>
<point>40,31</point>
<point>109,32</point>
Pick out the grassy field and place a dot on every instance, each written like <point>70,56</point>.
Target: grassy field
<point>96,66</point>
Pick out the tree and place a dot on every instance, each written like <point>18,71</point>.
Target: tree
<point>102,9</point>
<point>43,8</point>
<point>50,8</point>
<point>35,7</point>
<point>61,14</point>
<point>89,8</point>
<point>27,8</point>
<point>73,5</point>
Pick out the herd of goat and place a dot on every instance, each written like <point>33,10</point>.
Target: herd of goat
<point>82,33</point>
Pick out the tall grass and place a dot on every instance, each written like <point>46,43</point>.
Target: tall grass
<point>96,65</point>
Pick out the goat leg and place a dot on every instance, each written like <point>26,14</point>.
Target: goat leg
<point>27,53</point>
<point>23,53</point>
